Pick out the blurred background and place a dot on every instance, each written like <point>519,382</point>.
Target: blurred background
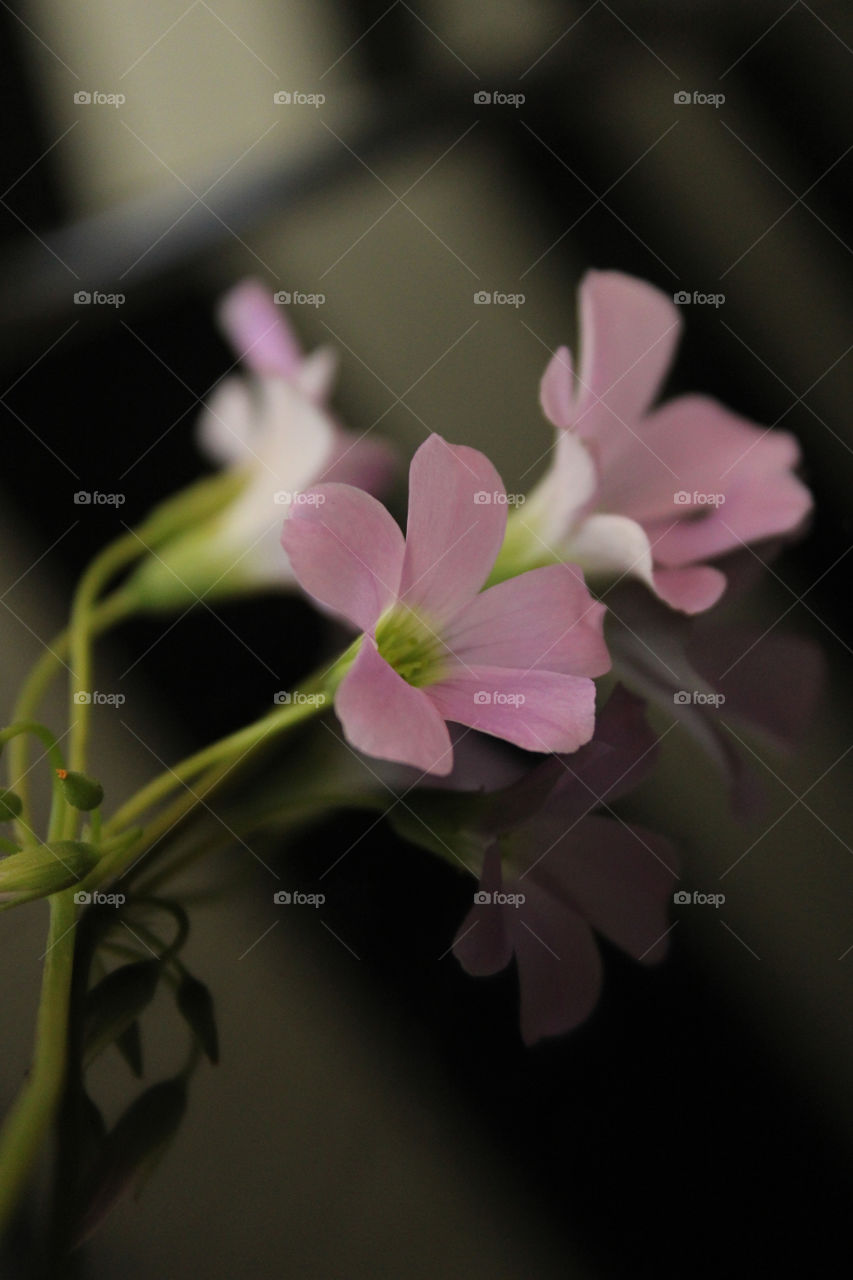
<point>375,1113</point>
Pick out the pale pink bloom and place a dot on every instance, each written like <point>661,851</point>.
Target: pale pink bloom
<point>275,426</point>
<point>514,661</point>
<point>651,492</point>
<point>558,873</point>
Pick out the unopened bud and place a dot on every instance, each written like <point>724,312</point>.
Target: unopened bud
<point>81,792</point>
<point>44,869</point>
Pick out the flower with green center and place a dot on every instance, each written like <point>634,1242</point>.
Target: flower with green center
<point>514,661</point>
<point>411,647</point>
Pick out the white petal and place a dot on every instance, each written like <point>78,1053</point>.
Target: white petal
<point>610,546</point>
<point>556,503</point>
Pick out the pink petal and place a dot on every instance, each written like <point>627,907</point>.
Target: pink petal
<point>384,716</point>
<point>629,331</point>
<point>453,536</point>
<point>545,619</point>
<point>695,446</point>
<point>345,550</point>
<point>618,878</point>
<point>559,967</point>
<point>258,331</point>
<point>482,944</point>
<point>756,507</point>
<point>691,590</point>
<point>556,390</point>
<point>557,712</point>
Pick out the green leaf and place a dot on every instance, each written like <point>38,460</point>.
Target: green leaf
<point>115,1003</point>
<point>196,1005</point>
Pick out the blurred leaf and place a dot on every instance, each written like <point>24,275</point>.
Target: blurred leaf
<point>115,1003</point>
<point>196,1004</point>
<point>131,1151</point>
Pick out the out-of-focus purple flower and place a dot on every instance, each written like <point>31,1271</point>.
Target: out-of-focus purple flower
<point>719,677</point>
<point>556,872</point>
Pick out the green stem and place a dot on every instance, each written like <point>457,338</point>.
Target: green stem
<point>323,685</point>
<point>21,730</point>
<point>113,558</point>
<point>27,1123</point>
<point>110,611</point>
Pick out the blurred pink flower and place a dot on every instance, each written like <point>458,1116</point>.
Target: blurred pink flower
<point>276,427</point>
<point>514,661</point>
<point>650,492</point>
<point>556,872</point>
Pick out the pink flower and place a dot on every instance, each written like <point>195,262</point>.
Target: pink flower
<point>649,492</point>
<point>276,427</point>
<point>558,873</point>
<point>514,661</point>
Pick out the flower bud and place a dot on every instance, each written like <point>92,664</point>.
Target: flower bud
<point>80,791</point>
<point>44,869</point>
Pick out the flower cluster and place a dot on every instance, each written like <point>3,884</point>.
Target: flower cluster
<point>487,623</point>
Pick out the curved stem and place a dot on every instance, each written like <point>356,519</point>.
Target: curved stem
<point>20,731</point>
<point>117,606</point>
<point>316,695</point>
<point>27,1123</point>
<point>113,558</point>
